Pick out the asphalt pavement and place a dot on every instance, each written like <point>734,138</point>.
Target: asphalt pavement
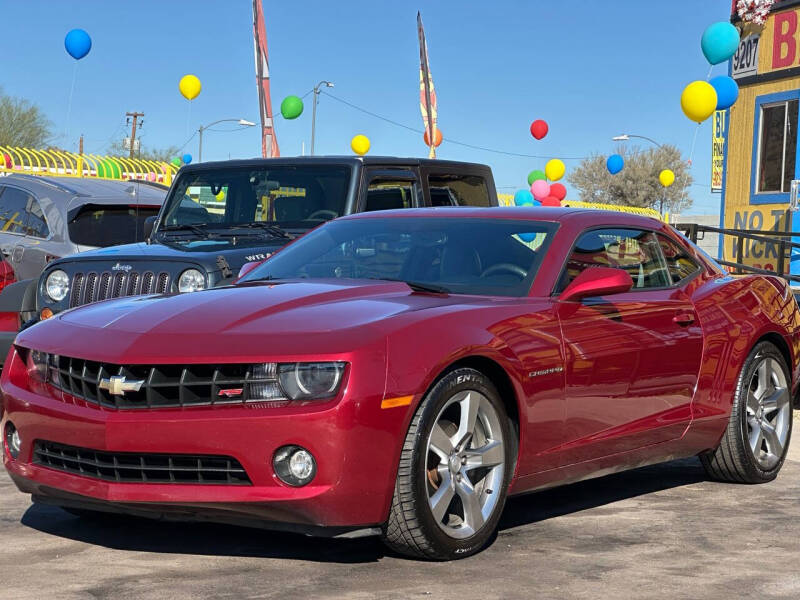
<point>657,532</point>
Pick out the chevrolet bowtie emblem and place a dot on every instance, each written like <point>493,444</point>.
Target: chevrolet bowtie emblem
<point>117,386</point>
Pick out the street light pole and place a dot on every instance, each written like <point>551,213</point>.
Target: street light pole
<point>314,111</point>
<point>242,122</point>
<point>626,136</point>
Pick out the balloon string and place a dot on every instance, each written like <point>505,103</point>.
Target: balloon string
<point>69,101</point>
<point>711,68</point>
<point>188,117</point>
<point>694,141</point>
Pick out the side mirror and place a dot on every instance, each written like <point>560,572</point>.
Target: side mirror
<point>597,281</point>
<point>149,222</point>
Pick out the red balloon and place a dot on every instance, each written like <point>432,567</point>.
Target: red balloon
<point>558,191</point>
<point>551,201</point>
<point>539,129</point>
<point>8,162</point>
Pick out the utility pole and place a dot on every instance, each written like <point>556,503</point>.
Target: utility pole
<point>133,119</point>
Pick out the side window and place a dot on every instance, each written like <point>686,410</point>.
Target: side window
<point>680,264</point>
<point>388,194</point>
<point>13,208</point>
<point>37,226</point>
<point>458,190</point>
<point>633,250</point>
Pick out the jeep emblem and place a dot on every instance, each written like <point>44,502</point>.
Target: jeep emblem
<point>121,267</point>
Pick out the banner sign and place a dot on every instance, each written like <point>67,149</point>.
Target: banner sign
<point>718,133</point>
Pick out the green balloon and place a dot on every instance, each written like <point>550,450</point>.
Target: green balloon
<point>176,162</point>
<point>291,107</point>
<point>535,176</point>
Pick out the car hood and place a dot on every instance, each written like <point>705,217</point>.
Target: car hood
<point>234,323</point>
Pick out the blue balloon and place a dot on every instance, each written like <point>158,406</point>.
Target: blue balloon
<point>527,237</point>
<point>719,42</point>
<point>187,158</point>
<point>727,91</point>
<point>615,163</point>
<point>523,197</point>
<point>78,43</point>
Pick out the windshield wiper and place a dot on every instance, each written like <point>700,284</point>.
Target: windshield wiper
<point>416,285</point>
<point>271,228</point>
<point>186,227</point>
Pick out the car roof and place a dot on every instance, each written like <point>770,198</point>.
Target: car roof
<point>332,160</point>
<point>86,189</point>
<point>586,217</point>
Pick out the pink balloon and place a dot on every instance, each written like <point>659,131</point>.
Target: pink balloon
<point>540,189</point>
<point>151,177</point>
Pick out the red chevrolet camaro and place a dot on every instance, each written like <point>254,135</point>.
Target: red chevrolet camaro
<point>401,373</point>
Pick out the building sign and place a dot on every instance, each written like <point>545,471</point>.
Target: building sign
<point>718,133</point>
<point>785,40</point>
<point>745,61</point>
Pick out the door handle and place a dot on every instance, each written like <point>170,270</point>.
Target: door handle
<point>683,319</point>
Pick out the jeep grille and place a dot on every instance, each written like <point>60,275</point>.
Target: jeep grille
<point>93,287</point>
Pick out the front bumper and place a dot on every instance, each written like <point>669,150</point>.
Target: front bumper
<point>355,444</point>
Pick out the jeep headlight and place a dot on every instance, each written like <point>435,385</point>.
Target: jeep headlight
<point>191,280</point>
<point>56,285</point>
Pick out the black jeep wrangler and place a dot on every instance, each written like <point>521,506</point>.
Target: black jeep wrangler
<point>218,216</point>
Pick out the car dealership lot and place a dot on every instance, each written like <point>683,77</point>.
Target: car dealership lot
<point>654,532</point>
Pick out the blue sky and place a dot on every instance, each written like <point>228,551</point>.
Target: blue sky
<point>591,69</point>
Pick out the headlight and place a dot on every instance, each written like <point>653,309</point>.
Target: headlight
<point>191,280</point>
<point>56,285</point>
<point>310,380</point>
<point>283,382</point>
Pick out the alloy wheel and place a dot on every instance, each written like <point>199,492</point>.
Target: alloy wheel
<point>465,464</point>
<point>769,411</point>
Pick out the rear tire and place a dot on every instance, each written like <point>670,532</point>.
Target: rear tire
<point>454,471</point>
<point>755,443</point>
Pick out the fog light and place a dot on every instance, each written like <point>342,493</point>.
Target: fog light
<point>13,443</point>
<point>46,313</point>
<point>294,465</point>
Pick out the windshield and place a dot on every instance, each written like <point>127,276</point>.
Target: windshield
<point>100,225</point>
<point>455,255</point>
<point>287,196</point>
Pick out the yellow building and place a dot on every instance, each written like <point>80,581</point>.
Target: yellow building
<point>760,148</point>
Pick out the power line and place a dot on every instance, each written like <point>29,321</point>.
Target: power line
<point>450,140</point>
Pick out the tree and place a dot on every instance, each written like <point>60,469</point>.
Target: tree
<point>22,123</point>
<point>637,184</point>
<point>157,154</point>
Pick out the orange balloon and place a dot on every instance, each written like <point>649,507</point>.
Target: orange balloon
<point>437,138</point>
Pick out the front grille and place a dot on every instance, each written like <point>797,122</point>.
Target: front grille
<point>134,467</point>
<point>93,287</point>
<point>164,386</point>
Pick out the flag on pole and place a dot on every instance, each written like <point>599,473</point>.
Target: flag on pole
<point>427,94</point>
<point>269,141</point>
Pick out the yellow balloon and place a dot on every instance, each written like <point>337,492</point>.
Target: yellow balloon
<point>554,169</point>
<point>699,101</point>
<point>190,86</point>
<point>360,144</point>
<point>666,177</point>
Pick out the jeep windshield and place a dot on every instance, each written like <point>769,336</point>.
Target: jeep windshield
<point>273,202</point>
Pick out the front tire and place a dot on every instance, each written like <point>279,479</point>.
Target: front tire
<point>454,471</point>
<point>755,443</point>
